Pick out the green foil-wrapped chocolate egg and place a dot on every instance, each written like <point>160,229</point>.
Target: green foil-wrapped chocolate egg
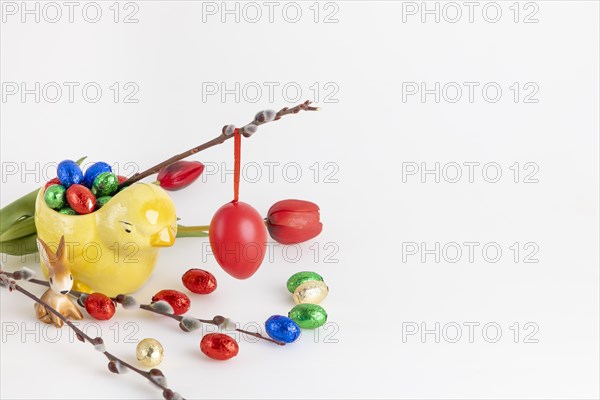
<point>302,277</point>
<point>67,211</point>
<point>100,201</point>
<point>311,292</point>
<point>308,316</point>
<point>105,184</point>
<point>55,196</point>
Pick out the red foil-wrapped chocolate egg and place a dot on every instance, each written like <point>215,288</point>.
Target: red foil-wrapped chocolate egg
<point>53,181</point>
<point>100,306</point>
<point>219,346</point>
<point>81,199</point>
<point>199,281</point>
<point>179,301</point>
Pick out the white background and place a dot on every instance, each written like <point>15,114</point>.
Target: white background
<point>368,131</point>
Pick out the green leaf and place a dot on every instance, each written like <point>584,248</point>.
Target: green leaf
<point>23,227</point>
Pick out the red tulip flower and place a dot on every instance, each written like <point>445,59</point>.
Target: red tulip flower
<point>180,174</point>
<point>294,221</point>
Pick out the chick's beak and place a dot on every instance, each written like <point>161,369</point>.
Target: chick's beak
<point>163,238</point>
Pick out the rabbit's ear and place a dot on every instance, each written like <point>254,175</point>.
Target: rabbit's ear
<point>45,253</point>
<point>60,251</point>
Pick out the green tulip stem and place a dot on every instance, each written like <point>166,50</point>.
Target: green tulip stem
<point>192,231</point>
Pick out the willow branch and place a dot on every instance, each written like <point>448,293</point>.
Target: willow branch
<point>155,376</point>
<point>247,130</point>
<point>217,320</point>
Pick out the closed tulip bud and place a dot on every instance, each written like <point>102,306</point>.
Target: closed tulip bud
<point>180,174</point>
<point>294,221</point>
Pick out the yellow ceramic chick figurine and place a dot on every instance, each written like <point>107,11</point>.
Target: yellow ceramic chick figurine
<point>114,249</point>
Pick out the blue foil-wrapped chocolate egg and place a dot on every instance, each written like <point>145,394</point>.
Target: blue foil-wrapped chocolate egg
<point>69,173</point>
<point>93,171</point>
<point>282,329</point>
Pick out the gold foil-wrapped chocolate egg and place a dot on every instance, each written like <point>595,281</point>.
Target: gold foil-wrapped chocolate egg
<point>149,352</point>
<point>311,292</point>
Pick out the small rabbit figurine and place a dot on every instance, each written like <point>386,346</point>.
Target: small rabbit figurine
<point>61,282</point>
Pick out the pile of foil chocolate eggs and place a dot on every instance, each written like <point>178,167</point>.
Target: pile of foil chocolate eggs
<point>74,193</point>
<point>308,290</point>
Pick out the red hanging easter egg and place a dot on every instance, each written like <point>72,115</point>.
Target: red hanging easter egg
<point>238,239</point>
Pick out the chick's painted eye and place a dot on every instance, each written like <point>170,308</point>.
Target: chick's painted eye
<point>127,226</point>
<point>71,277</point>
<point>51,280</point>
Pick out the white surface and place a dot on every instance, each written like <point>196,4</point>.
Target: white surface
<point>368,213</point>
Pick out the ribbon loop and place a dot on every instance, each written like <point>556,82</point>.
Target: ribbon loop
<point>237,155</point>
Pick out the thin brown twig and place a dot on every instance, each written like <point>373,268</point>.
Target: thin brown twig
<point>245,131</point>
<point>217,320</point>
<point>155,376</point>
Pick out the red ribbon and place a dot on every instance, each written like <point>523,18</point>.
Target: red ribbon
<point>237,155</point>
